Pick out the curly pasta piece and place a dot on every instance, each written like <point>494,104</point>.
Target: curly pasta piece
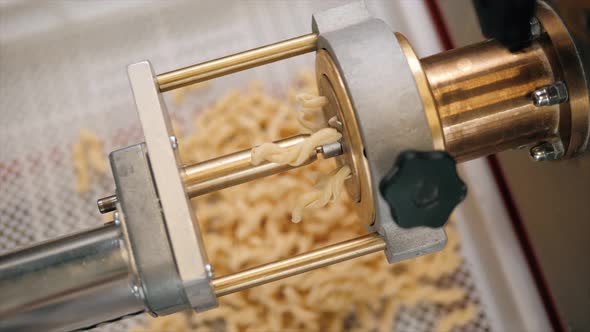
<point>88,159</point>
<point>311,116</point>
<point>294,155</point>
<point>456,318</point>
<point>81,168</point>
<point>320,198</point>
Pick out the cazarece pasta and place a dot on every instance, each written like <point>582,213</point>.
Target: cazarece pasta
<point>330,192</point>
<point>88,159</point>
<point>247,225</point>
<point>311,118</point>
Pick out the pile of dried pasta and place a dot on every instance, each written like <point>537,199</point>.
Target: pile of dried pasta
<point>249,225</point>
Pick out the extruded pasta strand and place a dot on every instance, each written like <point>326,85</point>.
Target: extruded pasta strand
<point>311,115</point>
<point>455,318</point>
<point>320,198</point>
<point>294,155</point>
<point>88,159</point>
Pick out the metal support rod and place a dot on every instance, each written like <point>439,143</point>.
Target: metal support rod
<point>237,62</point>
<point>234,169</point>
<point>318,258</point>
<point>231,170</point>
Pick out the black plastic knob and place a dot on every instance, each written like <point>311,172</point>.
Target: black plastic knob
<point>422,188</point>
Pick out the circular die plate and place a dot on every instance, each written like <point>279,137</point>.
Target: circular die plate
<point>332,87</point>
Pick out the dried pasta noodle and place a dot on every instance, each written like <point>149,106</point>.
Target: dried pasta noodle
<point>88,159</point>
<point>246,225</point>
<point>311,118</point>
<point>89,162</point>
<point>330,192</point>
<point>456,318</point>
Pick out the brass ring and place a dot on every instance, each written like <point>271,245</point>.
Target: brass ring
<point>438,140</point>
<point>331,85</point>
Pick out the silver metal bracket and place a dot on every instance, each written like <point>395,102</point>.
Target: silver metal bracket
<point>180,223</point>
<point>145,235</point>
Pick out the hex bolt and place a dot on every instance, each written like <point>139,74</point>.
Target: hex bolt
<point>210,271</point>
<point>553,94</point>
<point>545,151</point>
<point>536,28</point>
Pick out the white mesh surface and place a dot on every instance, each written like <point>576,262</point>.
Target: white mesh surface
<point>63,67</point>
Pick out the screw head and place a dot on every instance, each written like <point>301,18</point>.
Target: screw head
<point>553,94</point>
<point>137,292</point>
<point>174,142</point>
<point>116,218</point>
<point>210,271</point>
<point>538,153</point>
<point>545,151</point>
<point>536,28</point>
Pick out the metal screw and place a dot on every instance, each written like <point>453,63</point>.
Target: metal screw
<point>553,94</point>
<point>546,151</point>
<point>137,291</point>
<point>116,219</point>
<point>174,142</point>
<point>210,271</point>
<point>536,28</point>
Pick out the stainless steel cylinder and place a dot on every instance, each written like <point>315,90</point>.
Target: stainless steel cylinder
<point>73,282</point>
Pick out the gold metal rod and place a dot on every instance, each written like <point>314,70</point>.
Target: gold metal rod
<point>233,169</point>
<point>237,62</point>
<point>329,255</point>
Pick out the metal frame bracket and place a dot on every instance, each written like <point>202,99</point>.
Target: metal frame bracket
<point>181,226</point>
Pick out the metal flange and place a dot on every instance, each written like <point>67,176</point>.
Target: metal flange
<point>364,73</point>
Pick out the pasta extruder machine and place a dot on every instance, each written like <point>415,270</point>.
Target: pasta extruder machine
<point>404,122</point>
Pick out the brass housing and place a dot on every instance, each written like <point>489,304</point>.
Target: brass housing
<point>483,93</point>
